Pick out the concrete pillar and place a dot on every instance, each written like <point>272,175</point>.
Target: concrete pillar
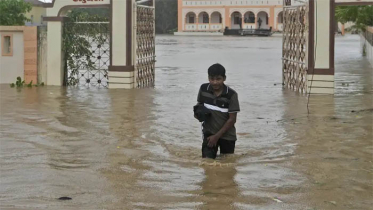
<point>227,18</point>
<point>197,23</point>
<point>55,65</point>
<point>30,54</point>
<point>256,21</point>
<point>180,17</point>
<point>243,21</point>
<point>209,22</point>
<point>121,69</point>
<point>320,78</point>
<point>271,17</point>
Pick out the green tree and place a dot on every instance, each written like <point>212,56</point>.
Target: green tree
<point>12,12</point>
<point>165,16</point>
<point>362,16</point>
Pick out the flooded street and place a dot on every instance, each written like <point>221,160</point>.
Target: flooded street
<point>141,149</point>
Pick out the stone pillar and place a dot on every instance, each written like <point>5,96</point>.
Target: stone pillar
<point>227,18</point>
<point>256,21</point>
<point>243,21</point>
<point>209,22</point>
<point>121,69</point>
<point>30,54</point>
<point>55,64</point>
<point>222,23</point>
<point>271,17</point>
<point>197,23</point>
<point>320,78</point>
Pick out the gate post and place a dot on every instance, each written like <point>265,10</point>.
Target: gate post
<point>320,78</point>
<point>55,55</point>
<point>121,69</point>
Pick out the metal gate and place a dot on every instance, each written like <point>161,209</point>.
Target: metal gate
<point>294,47</point>
<point>144,46</point>
<point>88,59</point>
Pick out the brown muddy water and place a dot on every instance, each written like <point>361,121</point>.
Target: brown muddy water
<point>140,149</point>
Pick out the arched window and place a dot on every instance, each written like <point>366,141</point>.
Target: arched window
<point>280,18</point>
<point>205,18</point>
<point>216,17</point>
<point>249,17</point>
<point>190,18</point>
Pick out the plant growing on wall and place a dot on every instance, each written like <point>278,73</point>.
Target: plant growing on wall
<point>77,40</point>
<point>12,12</point>
<point>21,83</point>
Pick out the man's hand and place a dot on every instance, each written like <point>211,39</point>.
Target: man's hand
<point>212,140</point>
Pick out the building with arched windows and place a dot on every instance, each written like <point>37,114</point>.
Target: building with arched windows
<point>216,15</point>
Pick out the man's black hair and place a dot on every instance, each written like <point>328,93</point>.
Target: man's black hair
<point>216,70</point>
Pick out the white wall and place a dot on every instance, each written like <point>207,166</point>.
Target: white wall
<point>12,67</point>
<point>368,49</point>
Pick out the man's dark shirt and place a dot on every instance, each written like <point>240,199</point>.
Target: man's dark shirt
<point>220,107</point>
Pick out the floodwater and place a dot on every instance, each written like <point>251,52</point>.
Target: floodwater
<point>140,149</point>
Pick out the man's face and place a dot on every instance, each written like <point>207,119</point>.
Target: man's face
<point>217,82</point>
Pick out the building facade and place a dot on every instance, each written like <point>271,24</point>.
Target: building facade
<point>216,15</point>
<point>37,13</point>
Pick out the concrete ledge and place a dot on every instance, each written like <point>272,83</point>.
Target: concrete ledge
<point>277,35</point>
<point>120,74</point>
<point>321,84</point>
<point>324,84</point>
<point>11,28</point>
<point>198,34</point>
<point>314,77</point>
<point>121,86</point>
<point>320,90</point>
<point>121,80</point>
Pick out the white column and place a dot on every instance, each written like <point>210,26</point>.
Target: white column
<point>54,54</point>
<point>322,25</point>
<point>321,80</point>
<point>197,22</point>
<point>121,75</point>
<point>119,32</point>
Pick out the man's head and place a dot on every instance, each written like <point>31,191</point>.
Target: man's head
<point>217,76</point>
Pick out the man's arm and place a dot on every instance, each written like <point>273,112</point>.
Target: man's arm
<point>195,116</point>
<point>199,100</point>
<point>212,140</point>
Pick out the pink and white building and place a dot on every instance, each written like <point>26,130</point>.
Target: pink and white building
<point>215,15</point>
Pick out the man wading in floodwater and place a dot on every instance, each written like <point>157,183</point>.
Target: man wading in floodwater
<point>217,108</point>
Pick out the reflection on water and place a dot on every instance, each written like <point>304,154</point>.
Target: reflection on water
<point>140,149</point>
